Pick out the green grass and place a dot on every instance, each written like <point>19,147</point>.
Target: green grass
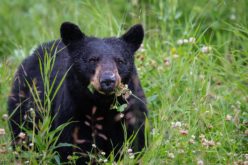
<point>190,93</point>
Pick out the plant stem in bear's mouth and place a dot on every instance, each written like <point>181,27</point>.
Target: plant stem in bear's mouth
<point>125,92</point>
<point>121,90</point>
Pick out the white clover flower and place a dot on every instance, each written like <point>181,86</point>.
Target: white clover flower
<point>5,117</point>
<point>200,162</point>
<point>192,40</point>
<point>180,42</point>
<point>131,156</point>
<point>228,117</point>
<point>192,141</point>
<point>185,41</point>
<point>177,124</point>
<point>233,17</point>
<point>206,49</point>
<point>175,55</point>
<point>153,132</point>
<point>22,135</point>
<point>130,150</point>
<point>171,155</point>
<point>246,156</point>
<point>2,131</point>
<point>26,162</point>
<point>121,115</point>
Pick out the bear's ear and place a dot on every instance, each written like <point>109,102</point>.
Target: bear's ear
<point>70,33</point>
<point>134,36</point>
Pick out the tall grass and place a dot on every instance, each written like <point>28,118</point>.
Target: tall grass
<point>196,91</point>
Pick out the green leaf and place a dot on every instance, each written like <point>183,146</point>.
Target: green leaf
<point>121,108</point>
<point>91,88</point>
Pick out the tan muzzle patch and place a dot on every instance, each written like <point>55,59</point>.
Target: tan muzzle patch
<point>95,80</point>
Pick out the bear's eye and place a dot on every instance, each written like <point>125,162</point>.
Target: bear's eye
<point>93,60</point>
<point>120,61</point>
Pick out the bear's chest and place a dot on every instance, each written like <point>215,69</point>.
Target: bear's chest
<point>98,131</point>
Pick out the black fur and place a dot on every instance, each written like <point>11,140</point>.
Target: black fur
<point>74,101</point>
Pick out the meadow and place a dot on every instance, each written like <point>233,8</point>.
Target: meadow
<point>192,65</point>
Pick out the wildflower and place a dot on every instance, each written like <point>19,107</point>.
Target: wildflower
<point>193,136</point>
<point>201,76</point>
<point>228,117</point>
<point>103,153</point>
<point>142,48</point>
<point>232,17</point>
<point>175,55</point>
<point>5,117</point>
<point>205,143</point>
<point>211,143</point>
<point>202,136</point>
<point>246,156</point>
<point>2,131</point>
<point>200,162</point>
<point>69,157</point>
<point>178,124</point>
<point>180,42</point>
<point>3,151</point>
<point>171,155</point>
<point>192,40</point>
<point>191,141</point>
<point>153,63</point>
<point>32,112</point>
<point>130,150</point>
<point>131,156</point>
<point>167,61</point>
<point>180,151</point>
<point>26,162</point>
<point>31,144</point>
<point>210,126</point>
<point>105,160</point>
<point>153,132</point>
<point>206,49</point>
<point>121,115</point>
<point>93,145</point>
<point>185,41</point>
<point>184,132</point>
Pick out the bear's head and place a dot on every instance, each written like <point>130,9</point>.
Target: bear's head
<point>105,63</point>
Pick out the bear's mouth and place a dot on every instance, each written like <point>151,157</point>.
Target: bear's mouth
<point>107,91</point>
<point>105,80</point>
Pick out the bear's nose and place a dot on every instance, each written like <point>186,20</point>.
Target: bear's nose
<point>107,82</point>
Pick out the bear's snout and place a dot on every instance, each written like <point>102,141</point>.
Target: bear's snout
<point>107,82</point>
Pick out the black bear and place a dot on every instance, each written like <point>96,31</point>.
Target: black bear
<point>104,64</point>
